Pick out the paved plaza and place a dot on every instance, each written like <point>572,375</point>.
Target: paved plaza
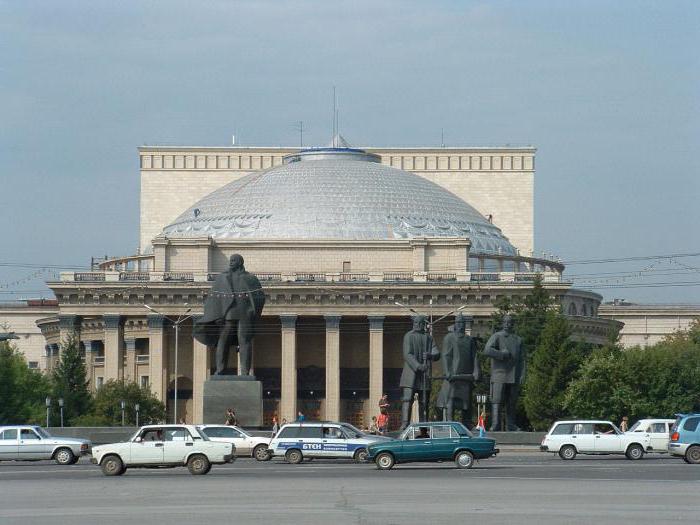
<point>518,487</point>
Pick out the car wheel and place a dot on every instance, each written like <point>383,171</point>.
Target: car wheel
<point>464,459</point>
<point>112,466</point>
<point>64,456</point>
<point>567,452</point>
<point>198,465</point>
<point>360,455</point>
<point>692,455</point>
<point>294,456</point>
<point>384,461</point>
<point>634,452</point>
<point>261,453</point>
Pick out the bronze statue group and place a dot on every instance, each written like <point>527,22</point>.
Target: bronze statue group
<point>460,364</point>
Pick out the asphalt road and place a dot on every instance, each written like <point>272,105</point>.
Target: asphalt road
<point>516,487</point>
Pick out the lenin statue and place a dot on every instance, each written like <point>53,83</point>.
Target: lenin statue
<point>231,310</point>
<point>461,367</point>
<point>508,361</point>
<point>418,350</point>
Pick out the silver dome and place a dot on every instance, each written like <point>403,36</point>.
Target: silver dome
<point>337,193</point>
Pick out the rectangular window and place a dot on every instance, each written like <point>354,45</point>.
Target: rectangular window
<point>441,431</point>
<point>10,433</point>
<point>288,432</point>
<point>144,381</point>
<point>33,364</point>
<point>346,266</point>
<point>99,381</point>
<point>310,432</point>
<point>691,424</point>
<point>28,433</point>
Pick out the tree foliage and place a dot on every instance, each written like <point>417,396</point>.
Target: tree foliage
<point>552,365</point>
<point>69,380</point>
<point>106,408</point>
<point>22,391</point>
<point>659,380</point>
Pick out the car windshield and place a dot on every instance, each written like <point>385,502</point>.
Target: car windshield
<point>200,435</point>
<point>43,433</point>
<point>634,427</point>
<point>352,430</point>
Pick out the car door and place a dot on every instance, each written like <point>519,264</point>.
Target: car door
<point>607,439</point>
<point>9,444</point>
<point>177,445</point>
<point>147,448</point>
<point>582,437</point>
<point>31,446</point>
<point>443,442</point>
<point>334,442</point>
<point>418,444</point>
<point>658,434</point>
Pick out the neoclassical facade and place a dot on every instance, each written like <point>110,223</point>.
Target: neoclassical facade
<point>344,244</point>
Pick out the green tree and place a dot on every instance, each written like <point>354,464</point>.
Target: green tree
<point>69,380</point>
<point>552,365</point>
<point>531,314</point>
<point>106,407</point>
<point>22,391</point>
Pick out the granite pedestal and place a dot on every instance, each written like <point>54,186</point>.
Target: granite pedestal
<point>242,393</point>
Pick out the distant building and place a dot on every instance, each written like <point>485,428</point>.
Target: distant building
<point>20,317</point>
<point>647,324</point>
<point>337,236</point>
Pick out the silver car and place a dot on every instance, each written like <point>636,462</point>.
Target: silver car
<point>27,442</point>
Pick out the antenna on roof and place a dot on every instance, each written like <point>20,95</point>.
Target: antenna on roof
<point>335,118</point>
<point>442,137</point>
<point>300,128</point>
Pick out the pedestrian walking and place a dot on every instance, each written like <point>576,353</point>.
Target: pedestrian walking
<point>382,423</point>
<point>230,417</point>
<point>275,426</point>
<point>300,417</point>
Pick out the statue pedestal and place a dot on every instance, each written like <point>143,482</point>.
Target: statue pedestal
<point>242,393</point>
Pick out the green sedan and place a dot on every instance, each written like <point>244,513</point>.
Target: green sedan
<point>435,441</point>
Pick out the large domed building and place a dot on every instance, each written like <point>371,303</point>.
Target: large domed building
<point>339,237</point>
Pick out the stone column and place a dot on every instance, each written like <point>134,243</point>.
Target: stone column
<point>68,325</point>
<point>201,368</point>
<point>130,348</point>
<point>376,361</point>
<point>288,403</point>
<point>90,349</point>
<point>332,367</point>
<point>156,349</point>
<point>114,344</point>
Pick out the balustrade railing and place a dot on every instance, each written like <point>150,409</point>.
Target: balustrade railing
<point>178,276</point>
<point>89,276</point>
<point>310,277</point>
<point>485,277</point>
<point>440,277</point>
<point>405,277</point>
<point>354,277</point>
<point>134,276</point>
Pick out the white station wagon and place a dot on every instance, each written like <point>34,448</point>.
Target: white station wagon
<point>163,446</point>
<point>247,445</point>
<point>569,438</point>
<point>659,431</point>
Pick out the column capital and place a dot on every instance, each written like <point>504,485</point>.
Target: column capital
<point>130,343</point>
<point>69,321</point>
<point>332,321</point>
<point>112,321</point>
<point>156,321</point>
<point>376,322</point>
<point>288,320</point>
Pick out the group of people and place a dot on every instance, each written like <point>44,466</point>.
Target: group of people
<point>380,423</point>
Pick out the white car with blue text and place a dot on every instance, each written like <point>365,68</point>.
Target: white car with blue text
<point>297,441</point>
<point>155,446</point>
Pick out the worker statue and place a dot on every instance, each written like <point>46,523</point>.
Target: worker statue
<point>231,311</point>
<point>508,363</point>
<point>419,350</point>
<point>461,367</point>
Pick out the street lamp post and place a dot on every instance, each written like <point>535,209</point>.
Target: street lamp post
<point>60,404</point>
<point>137,407</point>
<point>123,405</point>
<point>48,410</point>
<point>176,323</point>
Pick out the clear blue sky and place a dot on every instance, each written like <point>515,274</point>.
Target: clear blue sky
<point>607,92</point>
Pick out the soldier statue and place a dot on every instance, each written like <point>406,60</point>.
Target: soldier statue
<point>461,367</point>
<point>508,362</point>
<point>231,311</point>
<point>419,350</point>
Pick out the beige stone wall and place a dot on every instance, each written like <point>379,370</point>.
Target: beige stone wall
<point>648,324</point>
<point>496,181</point>
<point>22,321</point>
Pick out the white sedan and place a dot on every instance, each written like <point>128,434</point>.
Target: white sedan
<point>246,444</point>
<point>659,431</point>
<point>163,446</point>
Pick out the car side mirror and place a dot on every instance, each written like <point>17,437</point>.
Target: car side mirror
<point>138,439</point>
